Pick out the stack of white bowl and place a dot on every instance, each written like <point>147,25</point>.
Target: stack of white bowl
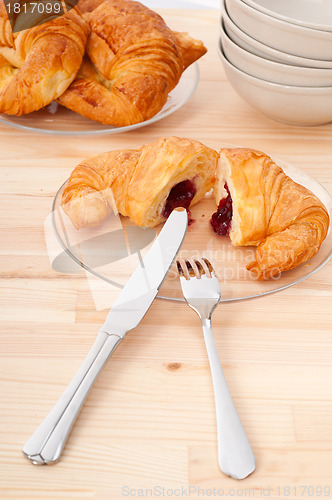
<point>277,55</point>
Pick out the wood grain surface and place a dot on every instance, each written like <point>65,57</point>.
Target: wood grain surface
<point>149,422</point>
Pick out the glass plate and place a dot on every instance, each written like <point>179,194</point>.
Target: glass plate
<point>66,122</point>
<point>112,251</point>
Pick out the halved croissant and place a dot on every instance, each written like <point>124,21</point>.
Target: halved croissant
<point>144,184</point>
<point>136,62</point>
<point>286,221</point>
<point>38,64</point>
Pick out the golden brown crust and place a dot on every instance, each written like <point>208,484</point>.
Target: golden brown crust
<point>286,221</point>
<point>39,64</point>
<point>136,183</point>
<point>136,61</point>
<point>87,6</point>
<point>190,48</point>
<point>88,196</point>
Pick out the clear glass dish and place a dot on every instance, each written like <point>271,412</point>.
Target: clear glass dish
<point>58,120</point>
<point>112,251</point>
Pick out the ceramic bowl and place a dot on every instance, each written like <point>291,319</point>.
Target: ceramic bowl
<point>306,106</point>
<point>315,14</point>
<point>280,35</point>
<point>273,71</point>
<point>251,45</point>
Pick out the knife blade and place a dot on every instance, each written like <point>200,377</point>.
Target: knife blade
<point>45,446</point>
<point>144,283</point>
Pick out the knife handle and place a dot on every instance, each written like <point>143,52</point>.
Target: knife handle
<point>46,444</point>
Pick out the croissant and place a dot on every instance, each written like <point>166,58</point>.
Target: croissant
<point>260,205</point>
<point>38,64</point>
<point>145,184</point>
<point>136,61</point>
<point>87,6</point>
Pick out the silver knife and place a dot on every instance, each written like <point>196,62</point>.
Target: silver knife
<point>46,444</point>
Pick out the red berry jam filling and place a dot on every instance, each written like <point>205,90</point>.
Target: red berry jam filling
<point>181,195</point>
<point>222,218</point>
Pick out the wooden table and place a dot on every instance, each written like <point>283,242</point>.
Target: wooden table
<point>150,420</point>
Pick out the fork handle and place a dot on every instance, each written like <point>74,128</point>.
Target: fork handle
<point>46,444</point>
<point>235,456</point>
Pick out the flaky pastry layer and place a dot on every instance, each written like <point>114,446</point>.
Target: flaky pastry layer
<point>137,182</point>
<point>37,65</point>
<point>285,220</point>
<point>133,62</point>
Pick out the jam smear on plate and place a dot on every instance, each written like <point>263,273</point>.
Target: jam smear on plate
<point>181,195</point>
<point>222,218</point>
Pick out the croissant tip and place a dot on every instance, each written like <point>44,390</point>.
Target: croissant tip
<point>263,274</point>
<point>254,268</point>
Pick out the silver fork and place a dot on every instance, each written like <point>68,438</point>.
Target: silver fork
<point>202,293</point>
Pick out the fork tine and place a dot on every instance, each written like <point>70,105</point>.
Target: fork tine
<point>195,266</point>
<point>200,267</point>
<point>185,269</point>
<point>180,270</point>
<point>188,265</point>
<point>206,269</point>
<point>210,267</point>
